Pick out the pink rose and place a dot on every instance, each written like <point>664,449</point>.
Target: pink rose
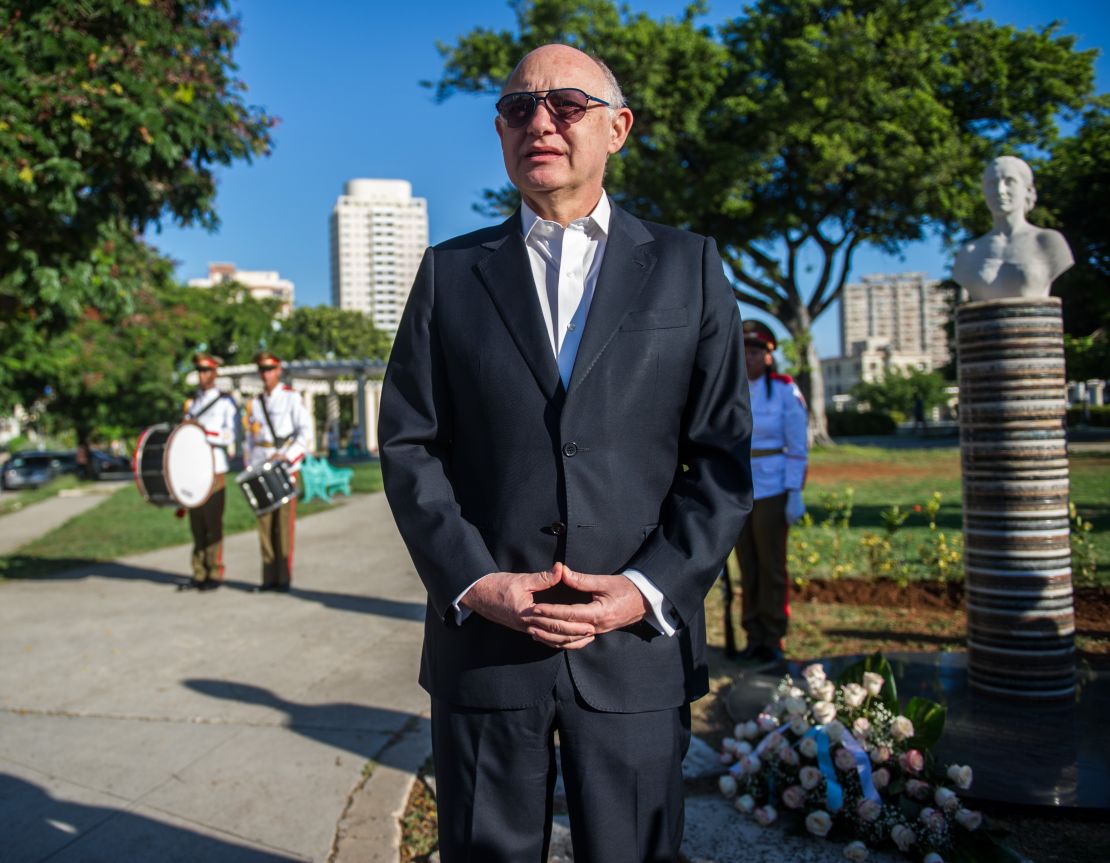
<point>810,777</point>
<point>766,815</point>
<point>854,694</point>
<point>912,761</point>
<point>861,728</point>
<point>946,799</point>
<point>933,819</point>
<point>844,760</point>
<point>880,778</point>
<point>794,797</point>
<point>880,754</point>
<point>788,756</point>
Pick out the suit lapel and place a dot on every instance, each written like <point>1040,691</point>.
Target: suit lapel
<point>507,276</point>
<point>629,260</point>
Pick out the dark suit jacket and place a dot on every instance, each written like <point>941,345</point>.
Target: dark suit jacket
<point>643,461</point>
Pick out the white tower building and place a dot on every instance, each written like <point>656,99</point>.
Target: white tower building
<point>379,232</point>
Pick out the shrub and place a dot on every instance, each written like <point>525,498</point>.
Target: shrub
<point>843,423</point>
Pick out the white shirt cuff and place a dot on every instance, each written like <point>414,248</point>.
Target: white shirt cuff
<point>663,614</point>
<point>462,613</point>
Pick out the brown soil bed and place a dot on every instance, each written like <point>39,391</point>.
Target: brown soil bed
<point>856,472</point>
<point>1092,604</point>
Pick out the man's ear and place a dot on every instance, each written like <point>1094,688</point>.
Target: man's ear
<point>619,129</point>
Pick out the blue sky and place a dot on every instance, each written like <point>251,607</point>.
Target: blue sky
<point>343,76</point>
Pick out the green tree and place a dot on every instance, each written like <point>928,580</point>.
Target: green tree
<point>803,129</point>
<point>900,388</point>
<point>1073,188</point>
<point>113,115</point>
<point>323,332</point>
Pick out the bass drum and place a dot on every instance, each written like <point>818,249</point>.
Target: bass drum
<point>175,466</point>
<point>267,487</point>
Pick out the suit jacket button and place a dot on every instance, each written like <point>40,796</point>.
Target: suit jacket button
<point>570,449</point>
<point>556,528</point>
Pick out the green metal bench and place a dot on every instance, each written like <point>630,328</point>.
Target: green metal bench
<point>322,480</point>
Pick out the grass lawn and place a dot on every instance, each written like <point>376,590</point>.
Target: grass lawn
<point>125,524</point>
<point>17,499</point>
<point>880,479</point>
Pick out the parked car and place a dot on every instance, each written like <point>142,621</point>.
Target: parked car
<point>104,465</point>
<point>32,468</point>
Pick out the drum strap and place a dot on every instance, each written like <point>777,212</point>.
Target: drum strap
<point>278,443</point>
<point>209,406</point>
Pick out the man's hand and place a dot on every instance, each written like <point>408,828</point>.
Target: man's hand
<point>506,597</point>
<point>616,602</point>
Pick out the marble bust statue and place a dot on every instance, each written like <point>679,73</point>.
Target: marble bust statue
<point>1014,258</point>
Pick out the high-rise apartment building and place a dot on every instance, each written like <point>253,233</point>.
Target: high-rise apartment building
<point>379,232</point>
<point>906,310</point>
<point>262,284</point>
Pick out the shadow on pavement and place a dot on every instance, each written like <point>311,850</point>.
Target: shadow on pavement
<point>363,604</point>
<point>36,825</point>
<point>23,566</point>
<point>332,724</point>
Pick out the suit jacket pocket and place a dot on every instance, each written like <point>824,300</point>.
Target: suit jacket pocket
<point>655,319</point>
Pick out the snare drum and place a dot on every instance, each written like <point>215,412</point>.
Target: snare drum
<point>175,466</point>
<point>267,486</point>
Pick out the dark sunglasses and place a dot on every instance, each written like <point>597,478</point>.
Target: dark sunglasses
<point>268,368</point>
<point>567,104</point>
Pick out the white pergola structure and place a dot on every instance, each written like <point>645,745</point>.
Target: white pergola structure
<point>331,378</point>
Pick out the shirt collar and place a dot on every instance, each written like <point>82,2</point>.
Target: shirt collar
<point>599,216</point>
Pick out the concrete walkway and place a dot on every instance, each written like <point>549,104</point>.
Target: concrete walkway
<point>138,723</point>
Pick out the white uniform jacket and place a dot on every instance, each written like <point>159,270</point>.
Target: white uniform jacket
<point>780,442</point>
<point>290,424</point>
<point>217,412</point>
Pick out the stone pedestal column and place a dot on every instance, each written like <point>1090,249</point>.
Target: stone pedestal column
<point>1020,616</point>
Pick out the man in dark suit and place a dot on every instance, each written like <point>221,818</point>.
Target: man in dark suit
<point>565,437</point>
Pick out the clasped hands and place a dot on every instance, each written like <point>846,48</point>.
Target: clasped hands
<point>507,598</point>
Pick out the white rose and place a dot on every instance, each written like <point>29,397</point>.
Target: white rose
<point>960,776</point>
<point>750,764</point>
<point>767,722</point>
<point>766,815</point>
<point>903,837</point>
<point>795,706</point>
<point>968,819</point>
<point>835,730</point>
<point>772,742</point>
<point>727,784</point>
<point>814,673</point>
<point>873,682</point>
<point>861,727</point>
<point>946,799</point>
<point>744,803</point>
<point>799,725</point>
<point>751,729</point>
<point>788,756</point>
<point>823,711</point>
<point>743,748</point>
<point>795,692</point>
<point>933,857</point>
<point>794,796</point>
<point>729,744</point>
<point>854,694</point>
<point>901,728</point>
<point>825,691</point>
<point>880,754</point>
<point>819,822</point>
<point>855,851</point>
<point>808,747</point>
<point>869,810</point>
<point>727,758</point>
<point>739,731</point>
<point>810,777</point>
<point>933,819</point>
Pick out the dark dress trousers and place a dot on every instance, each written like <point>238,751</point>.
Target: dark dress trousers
<point>642,462</point>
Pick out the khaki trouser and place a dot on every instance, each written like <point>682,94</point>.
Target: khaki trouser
<point>275,534</point>
<point>765,598</point>
<point>207,524</point>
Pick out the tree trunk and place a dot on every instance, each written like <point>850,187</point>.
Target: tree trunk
<point>810,379</point>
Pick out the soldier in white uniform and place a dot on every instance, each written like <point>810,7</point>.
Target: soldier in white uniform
<point>217,412</point>
<point>780,451</point>
<point>276,428</point>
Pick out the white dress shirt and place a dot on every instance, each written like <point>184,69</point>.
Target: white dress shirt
<point>565,264</point>
<point>218,421</point>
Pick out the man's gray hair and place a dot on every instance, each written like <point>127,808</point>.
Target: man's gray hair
<point>613,94</point>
